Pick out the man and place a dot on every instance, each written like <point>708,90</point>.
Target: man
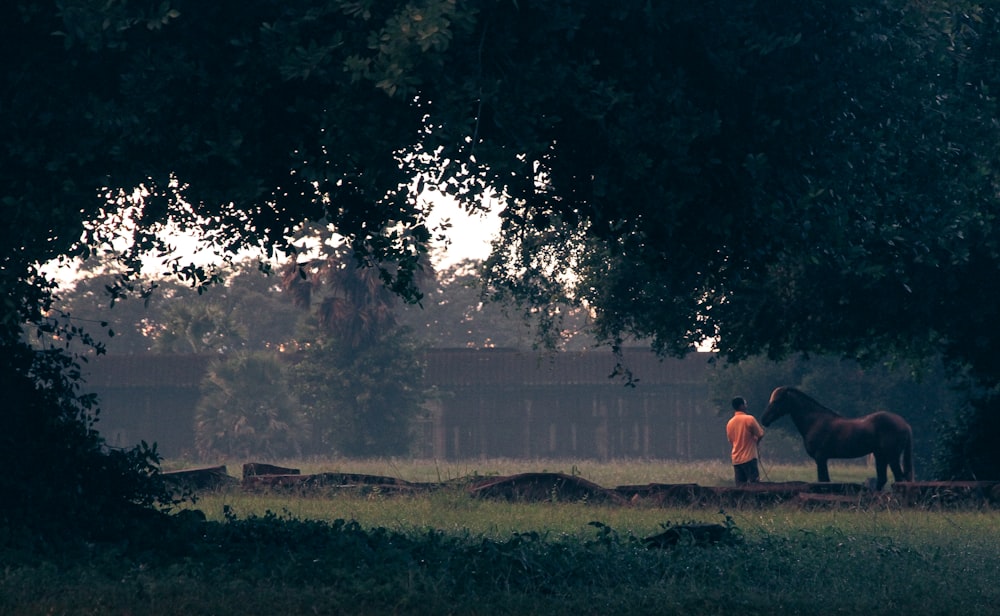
<point>744,433</point>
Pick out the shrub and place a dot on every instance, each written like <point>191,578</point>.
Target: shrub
<point>59,479</point>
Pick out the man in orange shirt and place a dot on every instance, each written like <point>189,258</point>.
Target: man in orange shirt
<point>744,433</point>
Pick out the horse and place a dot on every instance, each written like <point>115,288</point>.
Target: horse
<point>828,435</point>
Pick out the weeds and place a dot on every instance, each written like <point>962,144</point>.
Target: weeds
<point>277,563</point>
<point>445,553</point>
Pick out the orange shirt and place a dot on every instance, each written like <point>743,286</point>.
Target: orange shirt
<point>744,432</point>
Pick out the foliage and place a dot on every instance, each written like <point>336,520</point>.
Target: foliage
<point>786,564</point>
<point>248,409</point>
<point>62,481</point>
<point>227,118</point>
<point>456,312</point>
<point>245,310</point>
<point>809,180</point>
<point>348,301</point>
<point>357,372</point>
<point>197,328</point>
<point>250,310</point>
<point>362,401</point>
<point>966,449</point>
<point>820,178</point>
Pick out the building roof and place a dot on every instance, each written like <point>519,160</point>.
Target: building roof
<point>457,367</point>
<point>135,371</point>
<point>444,368</point>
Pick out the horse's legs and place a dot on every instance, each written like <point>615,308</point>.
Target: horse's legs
<point>880,471</point>
<point>822,472</point>
<point>897,469</point>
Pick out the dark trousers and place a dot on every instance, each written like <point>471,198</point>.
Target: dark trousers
<point>747,472</point>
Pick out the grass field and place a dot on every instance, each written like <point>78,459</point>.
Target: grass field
<point>456,512</point>
<point>448,553</point>
<point>607,474</point>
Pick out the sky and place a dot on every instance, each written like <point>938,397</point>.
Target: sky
<point>470,235</point>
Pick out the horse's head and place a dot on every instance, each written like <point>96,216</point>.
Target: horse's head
<point>777,406</point>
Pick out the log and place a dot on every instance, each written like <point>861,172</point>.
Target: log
<point>318,482</point>
<point>662,494</point>
<point>540,487</point>
<point>253,469</point>
<point>196,479</point>
<point>827,501</point>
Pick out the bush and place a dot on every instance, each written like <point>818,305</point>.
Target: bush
<point>59,479</point>
<point>967,449</point>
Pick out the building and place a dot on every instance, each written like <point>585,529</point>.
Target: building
<point>531,405</point>
<point>488,403</point>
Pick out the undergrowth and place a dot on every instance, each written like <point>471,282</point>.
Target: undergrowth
<point>279,563</point>
<point>447,553</point>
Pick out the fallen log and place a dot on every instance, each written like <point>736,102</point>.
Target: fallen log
<point>808,500</point>
<point>319,482</point>
<point>541,487</point>
<point>196,479</point>
<point>662,494</point>
<point>253,469</point>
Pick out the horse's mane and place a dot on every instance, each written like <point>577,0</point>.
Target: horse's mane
<point>803,398</point>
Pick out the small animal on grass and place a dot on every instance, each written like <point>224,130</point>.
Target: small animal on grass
<point>828,435</point>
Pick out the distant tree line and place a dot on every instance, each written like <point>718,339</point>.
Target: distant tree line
<point>315,357</point>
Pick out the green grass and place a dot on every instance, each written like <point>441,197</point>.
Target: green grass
<point>450,510</point>
<point>448,553</point>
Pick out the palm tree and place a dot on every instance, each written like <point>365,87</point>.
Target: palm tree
<point>248,410</point>
<point>348,297</point>
<point>360,378</point>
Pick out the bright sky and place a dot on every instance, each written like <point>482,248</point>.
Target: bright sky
<point>470,238</point>
<point>470,235</point>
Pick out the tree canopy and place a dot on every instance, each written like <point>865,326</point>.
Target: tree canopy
<point>814,178</point>
<point>779,178</point>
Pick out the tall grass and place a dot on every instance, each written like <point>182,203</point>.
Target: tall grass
<point>447,553</point>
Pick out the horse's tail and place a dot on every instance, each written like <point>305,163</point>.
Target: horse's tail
<point>908,455</point>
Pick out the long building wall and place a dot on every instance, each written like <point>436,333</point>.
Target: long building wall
<point>492,404</point>
<point>603,422</point>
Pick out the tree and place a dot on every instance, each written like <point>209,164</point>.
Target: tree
<point>457,312</point>
<point>61,481</point>
<point>813,177</point>
<point>358,375</point>
<point>772,209</point>
<point>245,310</point>
<point>361,401</point>
<point>815,180</point>
<point>248,410</point>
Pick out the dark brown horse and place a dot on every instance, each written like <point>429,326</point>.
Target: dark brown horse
<point>828,435</point>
